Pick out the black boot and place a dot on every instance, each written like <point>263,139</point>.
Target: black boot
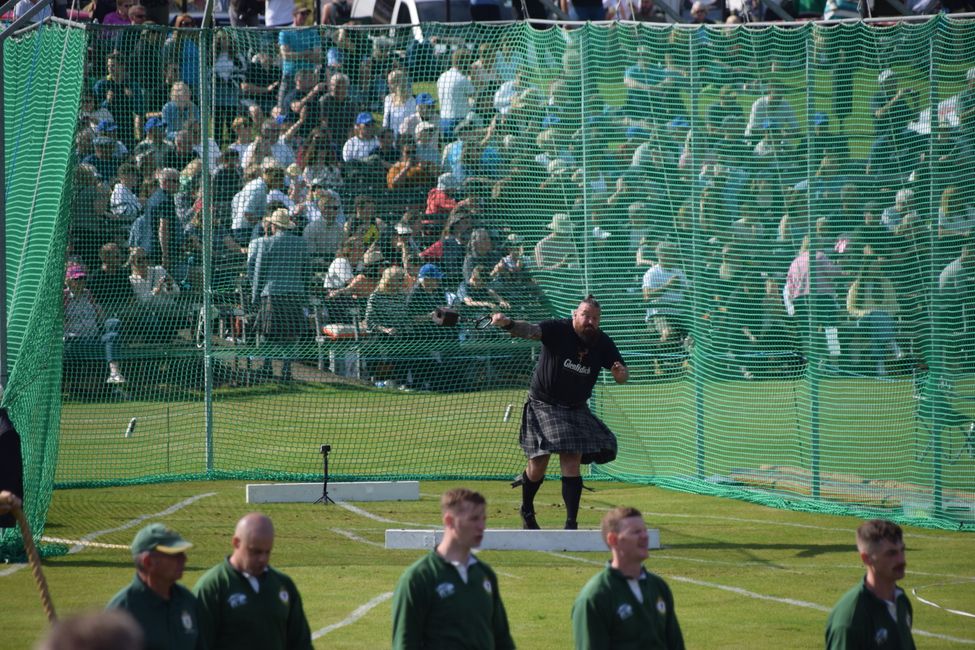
<point>571,494</point>
<point>528,521</point>
<point>529,489</point>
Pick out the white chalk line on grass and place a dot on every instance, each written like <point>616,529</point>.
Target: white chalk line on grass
<point>751,594</point>
<point>356,538</point>
<point>368,515</point>
<point>358,613</point>
<point>931,603</point>
<point>83,541</point>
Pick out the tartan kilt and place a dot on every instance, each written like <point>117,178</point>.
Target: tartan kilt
<point>283,318</point>
<point>551,429</point>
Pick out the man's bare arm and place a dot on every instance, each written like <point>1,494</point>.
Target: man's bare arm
<point>517,328</point>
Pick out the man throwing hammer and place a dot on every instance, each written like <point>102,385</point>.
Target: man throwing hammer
<point>556,418</point>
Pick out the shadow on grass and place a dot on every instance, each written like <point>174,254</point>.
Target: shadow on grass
<point>804,550</point>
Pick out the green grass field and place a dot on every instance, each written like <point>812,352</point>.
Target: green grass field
<point>744,576</point>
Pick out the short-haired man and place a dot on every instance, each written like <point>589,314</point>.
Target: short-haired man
<point>624,605</point>
<point>556,418</point>
<point>875,613</point>
<point>166,611</point>
<point>246,603</point>
<point>448,598</point>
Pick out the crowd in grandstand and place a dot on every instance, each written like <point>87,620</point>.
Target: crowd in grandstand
<point>350,172</point>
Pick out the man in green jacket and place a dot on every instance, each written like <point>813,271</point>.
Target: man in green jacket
<point>875,613</point>
<point>626,606</point>
<point>166,611</point>
<point>448,598</point>
<point>246,603</point>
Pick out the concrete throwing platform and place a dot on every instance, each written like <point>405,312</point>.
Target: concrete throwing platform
<point>310,492</point>
<point>498,539</point>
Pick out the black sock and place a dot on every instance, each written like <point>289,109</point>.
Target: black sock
<point>529,489</point>
<point>571,494</point>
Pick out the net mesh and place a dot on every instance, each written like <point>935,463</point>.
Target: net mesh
<point>776,221</point>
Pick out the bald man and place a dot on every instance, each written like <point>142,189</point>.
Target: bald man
<point>245,603</point>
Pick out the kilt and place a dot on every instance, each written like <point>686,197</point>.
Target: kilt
<point>551,429</point>
<point>283,318</point>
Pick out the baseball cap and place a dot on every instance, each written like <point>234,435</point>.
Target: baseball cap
<point>102,141</point>
<point>425,99</point>
<point>105,126</point>
<point>154,122</point>
<point>363,118</point>
<point>431,271</point>
<point>158,537</point>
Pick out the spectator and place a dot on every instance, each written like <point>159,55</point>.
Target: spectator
<point>664,285</point>
<point>399,104</point>
<point>245,13</point>
<point>269,144</point>
<point>120,16</point>
<point>336,12</point>
<point>699,14</point>
<point>179,109</point>
<point>480,252</point>
<point>872,302</point>
<point>229,69</point>
<point>456,92</point>
<point>651,90</point>
<point>109,283</point>
<point>302,105</point>
<point>158,230</point>
<point>323,231</point>
<point>320,161</point>
<point>259,90</point>
<point>557,250</point>
<point>772,111</point>
<point>339,112</point>
<point>157,318</point>
<point>182,153</point>
<point>411,177</point>
<point>154,152</point>
<point>901,212</point>
<point>87,333</point>
<point>386,308</point>
<point>278,270</point>
<point>441,199</point>
<point>301,49</point>
<point>125,203</point>
<point>280,13</point>
<point>891,107</point>
<point>475,293</point>
<point>450,250</point>
<point>363,143</point>
<point>426,112</point>
<point>104,160</point>
<point>243,130</point>
<point>181,52</point>
<point>428,143</point>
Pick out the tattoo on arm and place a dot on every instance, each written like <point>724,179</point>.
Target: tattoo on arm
<point>526,330</point>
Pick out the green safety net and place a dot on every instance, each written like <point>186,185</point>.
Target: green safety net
<point>776,222</point>
<point>42,81</point>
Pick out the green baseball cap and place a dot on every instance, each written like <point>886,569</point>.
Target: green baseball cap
<point>157,537</point>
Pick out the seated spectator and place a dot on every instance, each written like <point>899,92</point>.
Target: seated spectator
<point>425,297</point>
<point>302,106</point>
<point>155,291</point>
<point>125,203</point>
<point>249,205</point>
<point>157,230</point>
<point>363,143</point>
<point>891,107</point>
<point>475,293</point>
<point>772,111</point>
<point>259,90</point>
<point>87,333</point>
<point>425,113</point>
<point>109,283</point>
<point>243,134</point>
<point>480,252</point>
<point>406,250</point>
<point>449,251</point>
<point>346,264</point>
<point>871,301</point>
<point>300,49</point>
<point>154,151</point>
<point>411,177</point>
<point>320,161</point>
<point>179,109</point>
<point>557,250</point>
<point>269,144</point>
<point>109,129</point>
<point>441,199</point>
<point>664,285</point>
<point>324,229</point>
<point>182,153</point>
<point>343,304</point>
<point>399,105</point>
<point>428,143</point>
<point>229,69</point>
<point>956,217</point>
<point>386,308</point>
<point>104,160</point>
<point>339,111</point>
<point>893,217</point>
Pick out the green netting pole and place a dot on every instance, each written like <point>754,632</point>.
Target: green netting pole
<point>814,441</point>
<point>583,91</point>
<point>937,348</point>
<point>207,199</point>
<point>699,399</point>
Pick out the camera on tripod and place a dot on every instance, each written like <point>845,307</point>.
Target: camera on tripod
<point>325,449</point>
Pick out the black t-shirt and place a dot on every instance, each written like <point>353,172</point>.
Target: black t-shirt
<point>568,366</point>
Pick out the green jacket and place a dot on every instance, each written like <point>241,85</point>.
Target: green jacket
<point>434,608</point>
<point>861,620</point>
<point>233,615</point>
<point>172,624</point>
<point>607,614</point>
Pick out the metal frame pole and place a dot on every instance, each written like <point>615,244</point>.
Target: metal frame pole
<point>205,50</point>
<point>13,28</point>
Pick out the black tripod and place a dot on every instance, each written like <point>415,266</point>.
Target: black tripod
<point>325,499</point>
